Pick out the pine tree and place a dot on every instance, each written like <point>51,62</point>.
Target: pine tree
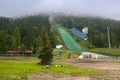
<point>16,39</point>
<point>22,48</point>
<point>46,53</point>
<point>3,44</point>
<point>37,44</point>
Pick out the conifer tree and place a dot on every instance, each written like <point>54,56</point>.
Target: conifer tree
<point>37,44</point>
<point>46,53</point>
<point>3,44</point>
<point>16,38</point>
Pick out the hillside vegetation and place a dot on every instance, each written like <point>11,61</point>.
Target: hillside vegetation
<point>107,51</point>
<point>26,33</point>
<point>97,27</point>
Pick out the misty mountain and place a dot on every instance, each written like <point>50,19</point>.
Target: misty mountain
<point>35,25</point>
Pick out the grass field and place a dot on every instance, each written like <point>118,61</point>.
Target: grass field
<point>18,68</point>
<point>19,58</point>
<point>107,51</point>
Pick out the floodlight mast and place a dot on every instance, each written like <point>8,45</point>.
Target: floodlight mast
<point>73,22</point>
<point>109,43</point>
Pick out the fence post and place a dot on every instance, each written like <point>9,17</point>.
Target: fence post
<point>69,55</point>
<point>60,53</point>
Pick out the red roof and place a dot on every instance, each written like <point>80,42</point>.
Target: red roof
<point>28,51</point>
<point>14,51</point>
<point>11,51</point>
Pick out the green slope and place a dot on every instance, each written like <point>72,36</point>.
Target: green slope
<point>70,43</point>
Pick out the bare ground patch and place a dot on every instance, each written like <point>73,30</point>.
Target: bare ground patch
<point>110,66</point>
<point>55,76</point>
<point>95,64</point>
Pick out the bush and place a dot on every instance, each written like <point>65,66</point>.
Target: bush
<point>46,56</point>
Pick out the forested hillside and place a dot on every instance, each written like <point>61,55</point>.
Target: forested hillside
<point>26,33</point>
<point>97,35</point>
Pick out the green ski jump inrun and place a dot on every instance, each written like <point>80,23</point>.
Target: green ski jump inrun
<point>70,43</point>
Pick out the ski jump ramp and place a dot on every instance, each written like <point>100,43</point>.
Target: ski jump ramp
<point>70,43</point>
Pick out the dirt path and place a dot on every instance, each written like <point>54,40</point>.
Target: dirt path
<point>54,76</point>
<point>111,66</point>
<point>95,64</point>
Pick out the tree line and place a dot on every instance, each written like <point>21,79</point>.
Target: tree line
<point>27,33</point>
<point>97,35</point>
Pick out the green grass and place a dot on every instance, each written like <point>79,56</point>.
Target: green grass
<point>19,58</point>
<point>107,51</point>
<point>19,70</point>
<point>70,69</point>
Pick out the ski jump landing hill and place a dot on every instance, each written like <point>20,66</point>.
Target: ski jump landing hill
<point>70,43</point>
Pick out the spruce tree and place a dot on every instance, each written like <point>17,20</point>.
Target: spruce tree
<point>3,44</point>
<point>46,53</point>
<point>37,44</point>
<point>16,39</point>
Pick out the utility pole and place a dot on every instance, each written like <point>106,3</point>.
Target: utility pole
<point>109,43</point>
<point>73,22</point>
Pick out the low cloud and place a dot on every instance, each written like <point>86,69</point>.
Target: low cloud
<point>102,8</point>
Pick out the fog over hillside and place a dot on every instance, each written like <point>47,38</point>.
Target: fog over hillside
<point>101,8</point>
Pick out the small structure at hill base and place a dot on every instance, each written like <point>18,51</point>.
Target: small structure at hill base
<point>59,46</point>
<point>90,55</point>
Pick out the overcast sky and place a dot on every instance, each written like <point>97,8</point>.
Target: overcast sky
<point>102,8</point>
